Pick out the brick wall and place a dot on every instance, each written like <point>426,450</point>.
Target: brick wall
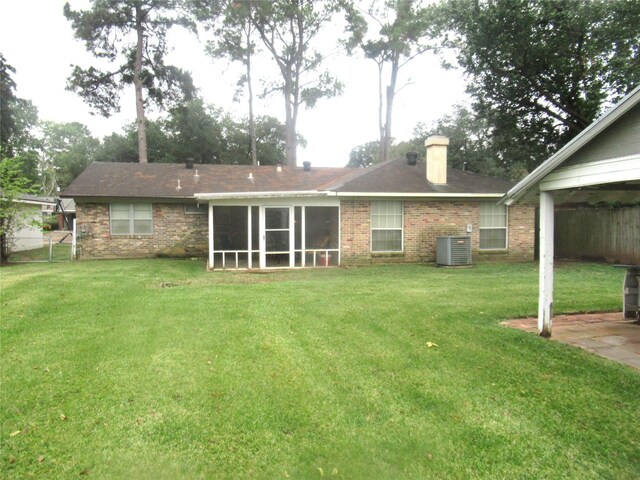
<point>424,221</point>
<point>175,234</point>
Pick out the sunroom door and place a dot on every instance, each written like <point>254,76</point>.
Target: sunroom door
<point>276,249</point>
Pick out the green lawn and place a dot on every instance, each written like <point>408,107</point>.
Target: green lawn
<point>158,369</point>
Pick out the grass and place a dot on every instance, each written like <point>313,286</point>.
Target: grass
<point>157,369</point>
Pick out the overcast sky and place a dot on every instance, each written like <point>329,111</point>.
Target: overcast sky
<point>38,42</point>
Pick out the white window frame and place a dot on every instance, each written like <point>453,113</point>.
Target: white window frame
<point>197,209</point>
<point>505,228</point>
<point>131,219</point>
<point>401,229</point>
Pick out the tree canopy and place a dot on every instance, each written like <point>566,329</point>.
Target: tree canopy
<point>133,32</point>
<point>540,72</point>
<point>66,150</point>
<point>18,117</point>
<point>287,30</point>
<point>201,132</point>
<point>471,145</point>
<point>403,28</point>
<point>233,39</point>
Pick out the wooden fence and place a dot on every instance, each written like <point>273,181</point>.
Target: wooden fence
<point>604,234</point>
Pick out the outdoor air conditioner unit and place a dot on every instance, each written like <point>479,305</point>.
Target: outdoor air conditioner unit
<point>453,251</point>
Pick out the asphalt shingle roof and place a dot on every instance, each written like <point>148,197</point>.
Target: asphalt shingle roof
<point>396,176</point>
<point>159,180</point>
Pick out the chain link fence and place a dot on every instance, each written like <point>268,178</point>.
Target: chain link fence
<point>51,247</point>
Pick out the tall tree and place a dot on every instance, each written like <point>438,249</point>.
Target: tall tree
<point>18,121</point>
<point>541,71</point>
<point>234,39</point>
<point>66,150</point>
<point>8,127</point>
<point>402,27</point>
<point>287,29</point>
<point>18,117</point>
<point>135,32</point>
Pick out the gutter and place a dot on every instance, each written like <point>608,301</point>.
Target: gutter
<point>247,195</point>
<point>296,194</point>
<point>419,195</point>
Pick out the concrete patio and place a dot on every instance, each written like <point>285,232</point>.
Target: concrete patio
<point>609,335</point>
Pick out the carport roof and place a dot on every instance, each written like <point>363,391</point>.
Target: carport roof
<point>530,184</point>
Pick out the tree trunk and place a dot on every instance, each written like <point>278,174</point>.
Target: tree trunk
<point>137,81</point>
<point>289,125</point>
<point>381,129</point>
<point>4,244</point>
<point>391,93</point>
<point>252,123</point>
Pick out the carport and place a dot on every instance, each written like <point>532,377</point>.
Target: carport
<point>601,164</point>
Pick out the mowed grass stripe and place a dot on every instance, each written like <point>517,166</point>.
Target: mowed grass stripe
<point>158,369</point>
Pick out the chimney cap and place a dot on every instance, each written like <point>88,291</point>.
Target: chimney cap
<point>306,165</point>
<point>436,140</point>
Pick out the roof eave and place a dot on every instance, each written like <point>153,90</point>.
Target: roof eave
<point>34,202</point>
<point>420,195</point>
<point>273,194</point>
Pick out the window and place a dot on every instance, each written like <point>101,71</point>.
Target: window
<point>493,226</point>
<point>386,226</point>
<point>131,219</point>
<point>196,209</point>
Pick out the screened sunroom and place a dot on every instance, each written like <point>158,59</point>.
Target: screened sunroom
<point>277,233</point>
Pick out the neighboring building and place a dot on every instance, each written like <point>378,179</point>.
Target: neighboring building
<point>65,213</point>
<point>261,217</point>
<point>27,235</point>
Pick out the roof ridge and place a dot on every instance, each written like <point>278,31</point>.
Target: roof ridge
<point>360,172</point>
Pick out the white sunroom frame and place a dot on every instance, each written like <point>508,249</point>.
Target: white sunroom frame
<point>262,201</point>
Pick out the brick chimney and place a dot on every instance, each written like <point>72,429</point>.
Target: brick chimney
<point>437,159</point>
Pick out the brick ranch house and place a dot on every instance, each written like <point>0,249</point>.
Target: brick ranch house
<point>241,216</point>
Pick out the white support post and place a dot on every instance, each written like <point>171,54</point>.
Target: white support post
<point>249,237</point>
<point>261,238</point>
<point>210,236</point>
<point>303,240</point>
<point>292,237</point>
<point>545,301</point>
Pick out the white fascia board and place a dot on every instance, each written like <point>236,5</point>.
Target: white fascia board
<point>623,169</point>
<point>33,202</point>
<point>419,195</point>
<point>249,195</point>
<point>572,147</point>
